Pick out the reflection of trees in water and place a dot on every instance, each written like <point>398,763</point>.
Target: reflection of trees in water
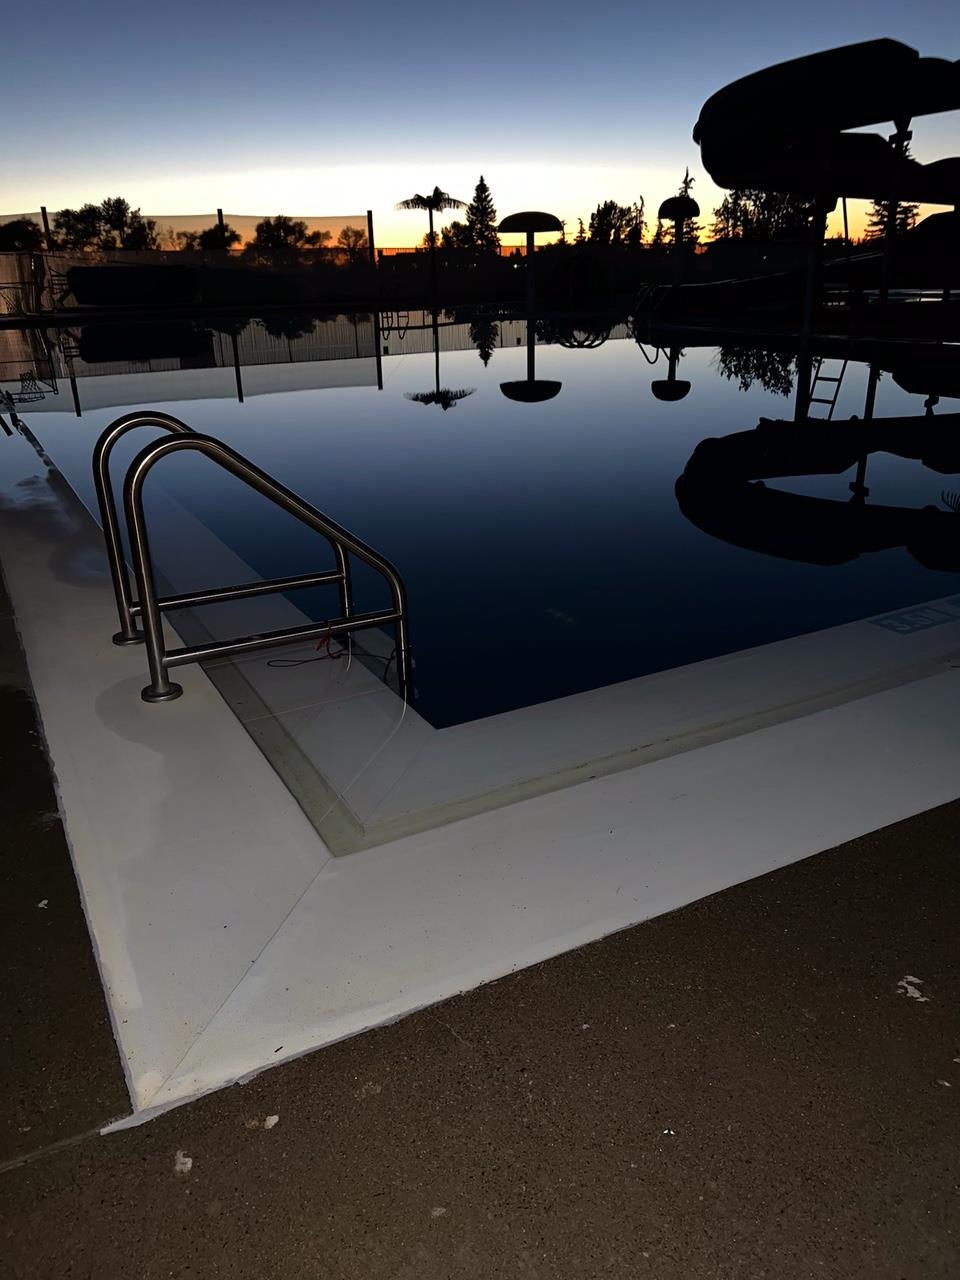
<point>484,334</point>
<point>445,397</point>
<point>289,327</point>
<point>774,370</point>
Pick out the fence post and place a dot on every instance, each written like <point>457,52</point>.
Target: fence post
<point>46,228</point>
<point>223,229</point>
<point>370,244</point>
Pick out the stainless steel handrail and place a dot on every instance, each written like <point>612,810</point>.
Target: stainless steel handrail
<point>128,633</point>
<point>150,607</point>
<point>129,609</point>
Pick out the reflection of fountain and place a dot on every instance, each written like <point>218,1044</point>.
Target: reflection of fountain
<point>671,388</point>
<point>531,390</point>
<point>445,397</point>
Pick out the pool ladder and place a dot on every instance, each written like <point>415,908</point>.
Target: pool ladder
<point>149,608</point>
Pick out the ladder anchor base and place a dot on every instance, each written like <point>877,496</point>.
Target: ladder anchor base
<point>148,694</point>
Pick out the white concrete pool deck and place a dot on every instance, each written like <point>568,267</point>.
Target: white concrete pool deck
<point>230,938</point>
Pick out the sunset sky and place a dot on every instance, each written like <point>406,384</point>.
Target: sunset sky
<point>318,109</point>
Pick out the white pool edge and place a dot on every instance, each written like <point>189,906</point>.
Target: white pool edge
<point>179,827</point>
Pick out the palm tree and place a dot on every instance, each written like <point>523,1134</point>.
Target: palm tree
<point>435,202</point>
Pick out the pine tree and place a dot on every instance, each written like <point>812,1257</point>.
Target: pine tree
<point>691,228</point>
<point>905,219</point>
<point>752,214</point>
<point>482,221</point>
<point>904,215</point>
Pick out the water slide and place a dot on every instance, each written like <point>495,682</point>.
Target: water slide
<point>785,128</point>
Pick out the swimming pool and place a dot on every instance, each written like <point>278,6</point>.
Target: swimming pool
<point>542,545</point>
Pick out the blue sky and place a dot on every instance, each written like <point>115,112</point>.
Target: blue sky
<point>332,109</point>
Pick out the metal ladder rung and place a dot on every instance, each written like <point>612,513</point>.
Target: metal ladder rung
<point>273,639</point>
<point>267,587</point>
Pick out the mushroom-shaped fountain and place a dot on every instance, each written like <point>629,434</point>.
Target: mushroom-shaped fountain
<point>671,388</point>
<point>678,210</point>
<point>531,221</point>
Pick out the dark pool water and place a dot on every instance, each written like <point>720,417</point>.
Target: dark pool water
<point>542,544</point>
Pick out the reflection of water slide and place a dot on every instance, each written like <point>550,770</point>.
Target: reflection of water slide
<point>723,492</point>
<point>932,371</point>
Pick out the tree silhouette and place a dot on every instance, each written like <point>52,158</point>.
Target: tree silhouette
<point>481,224</point>
<point>905,219</point>
<point>209,238</point>
<point>124,228</point>
<point>455,236</point>
<point>286,235</point>
<point>354,240</point>
<point>112,224</point>
<point>616,224</point>
<point>904,215</point>
<point>690,232</point>
<point>77,228</point>
<point>435,202</point>
<point>217,237</point>
<point>289,327</point>
<point>746,365</point>
<point>752,214</point>
<point>20,233</point>
<point>636,225</point>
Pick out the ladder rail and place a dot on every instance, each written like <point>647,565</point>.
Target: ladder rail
<point>109,520</point>
<point>151,606</point>
<point>128,609</point>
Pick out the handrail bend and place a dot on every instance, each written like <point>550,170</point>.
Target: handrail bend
<point>128,609</point>
<point>128,633</point>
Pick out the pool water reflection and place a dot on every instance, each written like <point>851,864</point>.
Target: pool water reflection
<point>542,544</point>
